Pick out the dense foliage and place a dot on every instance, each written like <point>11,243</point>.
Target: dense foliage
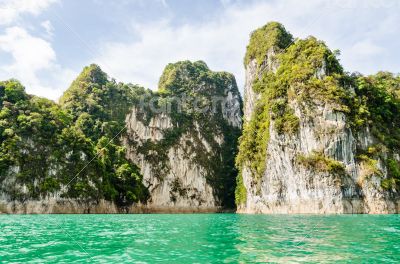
<point>272,35</point>
<point>320,163</point>
<point>376,105</point>
<point>71,149</point>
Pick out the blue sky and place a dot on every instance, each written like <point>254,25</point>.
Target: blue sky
<point>46,43</point>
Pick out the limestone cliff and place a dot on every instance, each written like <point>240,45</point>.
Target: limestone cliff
<point>66,157</point>
<point>315,139</point>
<point>111,147</point>
<point>183,139</point>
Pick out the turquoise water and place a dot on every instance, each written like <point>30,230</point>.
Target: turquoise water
<point>199,238</point>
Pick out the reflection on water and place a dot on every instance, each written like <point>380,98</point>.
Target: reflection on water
<point>199,238</point>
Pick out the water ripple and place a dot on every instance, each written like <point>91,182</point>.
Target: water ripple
<point>199,238</point>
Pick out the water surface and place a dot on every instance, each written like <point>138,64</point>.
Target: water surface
<point>199,238</point>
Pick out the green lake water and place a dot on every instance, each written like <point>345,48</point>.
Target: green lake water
<point>199,238</point>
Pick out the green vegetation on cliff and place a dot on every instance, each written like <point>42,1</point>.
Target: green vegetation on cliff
<point>71,148</point>
<point>299,74</point>
<point>195,96</point>
<point>319,162</point>
<point>306,69</point>
<point>376,105</point>
<point>240,191</point>
<point>271,36</point>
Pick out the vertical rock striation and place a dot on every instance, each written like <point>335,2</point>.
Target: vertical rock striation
<point>184,139</point>
<point>307,145</point>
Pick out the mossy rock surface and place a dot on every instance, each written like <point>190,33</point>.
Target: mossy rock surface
<point>307,74</point>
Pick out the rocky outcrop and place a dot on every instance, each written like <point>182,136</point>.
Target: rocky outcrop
<point>317,167</point>
<point>289,187</point>
<point>185,152</point>
<point>175,181</point>
<point>119,148</point>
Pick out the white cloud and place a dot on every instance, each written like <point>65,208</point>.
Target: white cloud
<point>32,56</point>
<point>33,59</point>
<point>28,51</point>
<point>11,10</point>
<point>221,42</point>
<point>48,27</point>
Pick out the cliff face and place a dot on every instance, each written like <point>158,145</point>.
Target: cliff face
<point>113,148</point>
<point>185,148</point>
<point>311,143</point>
<point>65,157</point>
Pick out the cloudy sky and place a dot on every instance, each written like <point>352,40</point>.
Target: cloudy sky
<point>46,43</point>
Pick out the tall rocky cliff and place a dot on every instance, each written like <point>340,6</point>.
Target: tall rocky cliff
<point>65,158</point>
<point>111,147</point>
<point>184,139</point>
<point>316,139</point>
